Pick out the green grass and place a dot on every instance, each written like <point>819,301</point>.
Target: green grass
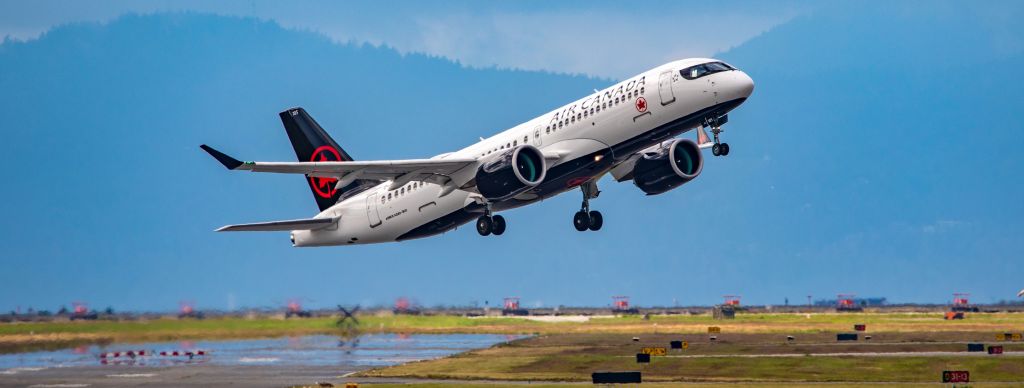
<point>28,336</point>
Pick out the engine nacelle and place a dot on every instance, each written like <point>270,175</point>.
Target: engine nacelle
<point>508,174</point>
<point>668,166</point>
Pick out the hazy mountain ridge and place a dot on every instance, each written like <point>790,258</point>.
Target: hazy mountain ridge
<point>877,173</point>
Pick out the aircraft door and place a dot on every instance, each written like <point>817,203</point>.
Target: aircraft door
<point>665,88</point>
<point>371,210</point>
<point>536,137</point>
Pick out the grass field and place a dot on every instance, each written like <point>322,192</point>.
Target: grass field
<point>732,357</point>
<point>16,337</point>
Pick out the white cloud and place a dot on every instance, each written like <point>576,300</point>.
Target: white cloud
<point>943,226</point>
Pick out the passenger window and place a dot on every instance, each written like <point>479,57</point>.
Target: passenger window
<point>641,90</point>
<point>515,143</point>
<point>389,196</point>
<point>573,119</point>
<point>591,110</point>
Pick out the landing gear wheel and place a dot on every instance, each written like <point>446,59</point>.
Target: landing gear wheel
<point>596,220</point>
<point>483,225</point>
<point>716,149</point>
<point>581,221</point>
<point>725,149</point>
<point>497,225</point>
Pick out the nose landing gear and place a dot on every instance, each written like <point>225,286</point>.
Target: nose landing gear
<point>585,218</point>
<point>719,149</point>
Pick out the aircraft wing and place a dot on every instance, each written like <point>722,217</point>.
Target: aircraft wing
<point>399,171</point>
<point>279,226</point>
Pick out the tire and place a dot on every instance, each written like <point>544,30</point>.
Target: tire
<point>716,149</point>
<point>497,225</point>
<point>596,220</point>
<point>483,225</point>
<point>725,149</point>
<point>581,221</point>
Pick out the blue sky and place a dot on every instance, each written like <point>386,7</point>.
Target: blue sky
<point>878,155</point>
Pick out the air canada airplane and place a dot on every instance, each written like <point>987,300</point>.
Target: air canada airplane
<point>628,130</point>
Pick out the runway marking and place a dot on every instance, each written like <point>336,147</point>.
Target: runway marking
<point>133,375</point>
<point>57,385</point>
<point>348,374</point>
<point>13,371</point>
<point>258,359</point>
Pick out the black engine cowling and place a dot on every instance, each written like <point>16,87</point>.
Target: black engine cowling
<point>668,167</point>
<point>510,173</point>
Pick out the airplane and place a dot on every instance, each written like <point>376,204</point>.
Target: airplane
<point>629,130</point>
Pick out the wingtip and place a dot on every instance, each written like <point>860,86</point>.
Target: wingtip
<point>227,161</point>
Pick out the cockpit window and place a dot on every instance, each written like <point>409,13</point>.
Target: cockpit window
<point>694,72</point>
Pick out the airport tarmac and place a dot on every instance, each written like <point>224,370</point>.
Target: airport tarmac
<point>272,362</point>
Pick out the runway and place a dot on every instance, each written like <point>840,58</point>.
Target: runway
<point>175,376</point>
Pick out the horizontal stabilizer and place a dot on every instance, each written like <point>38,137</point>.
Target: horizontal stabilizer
<point>227,161</point>
<point>281,226</point>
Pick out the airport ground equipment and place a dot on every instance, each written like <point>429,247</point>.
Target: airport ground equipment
<point>962,304</point>
<point>404,306</point>
<point>620,305</point>
<point>295,310</point>
<point>846,337</point>
<point>950,315</point>
<point>511,307</point>
<point>731,300</point>
<point>725,311</point>
<point>847,303</point>
<point>616,377</point>
<point>187,309</point>
<point>81,312</point>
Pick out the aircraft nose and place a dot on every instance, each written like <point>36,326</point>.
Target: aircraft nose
<point>744,84</point>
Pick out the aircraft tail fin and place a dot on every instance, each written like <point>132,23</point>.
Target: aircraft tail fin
<point>313,144</point>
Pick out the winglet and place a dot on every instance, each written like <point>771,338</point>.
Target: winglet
<point>227,161</point>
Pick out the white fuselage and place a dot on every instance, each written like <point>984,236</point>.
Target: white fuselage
<point>620,114</point>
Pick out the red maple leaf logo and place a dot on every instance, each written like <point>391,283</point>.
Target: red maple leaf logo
<point>641,105</point>
<point>324,187</point>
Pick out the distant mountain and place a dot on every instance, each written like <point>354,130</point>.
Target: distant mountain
<point>103,123</point>
<point>882,142</point>
<point>878,155</point>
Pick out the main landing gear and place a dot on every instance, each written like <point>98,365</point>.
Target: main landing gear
<point>586,218</point>
<point>488,224</point>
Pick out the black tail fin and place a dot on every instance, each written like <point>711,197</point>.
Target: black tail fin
<point>313,144</point>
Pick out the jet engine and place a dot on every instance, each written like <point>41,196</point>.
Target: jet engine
<point>505,175</point>
<point>668,166</point>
